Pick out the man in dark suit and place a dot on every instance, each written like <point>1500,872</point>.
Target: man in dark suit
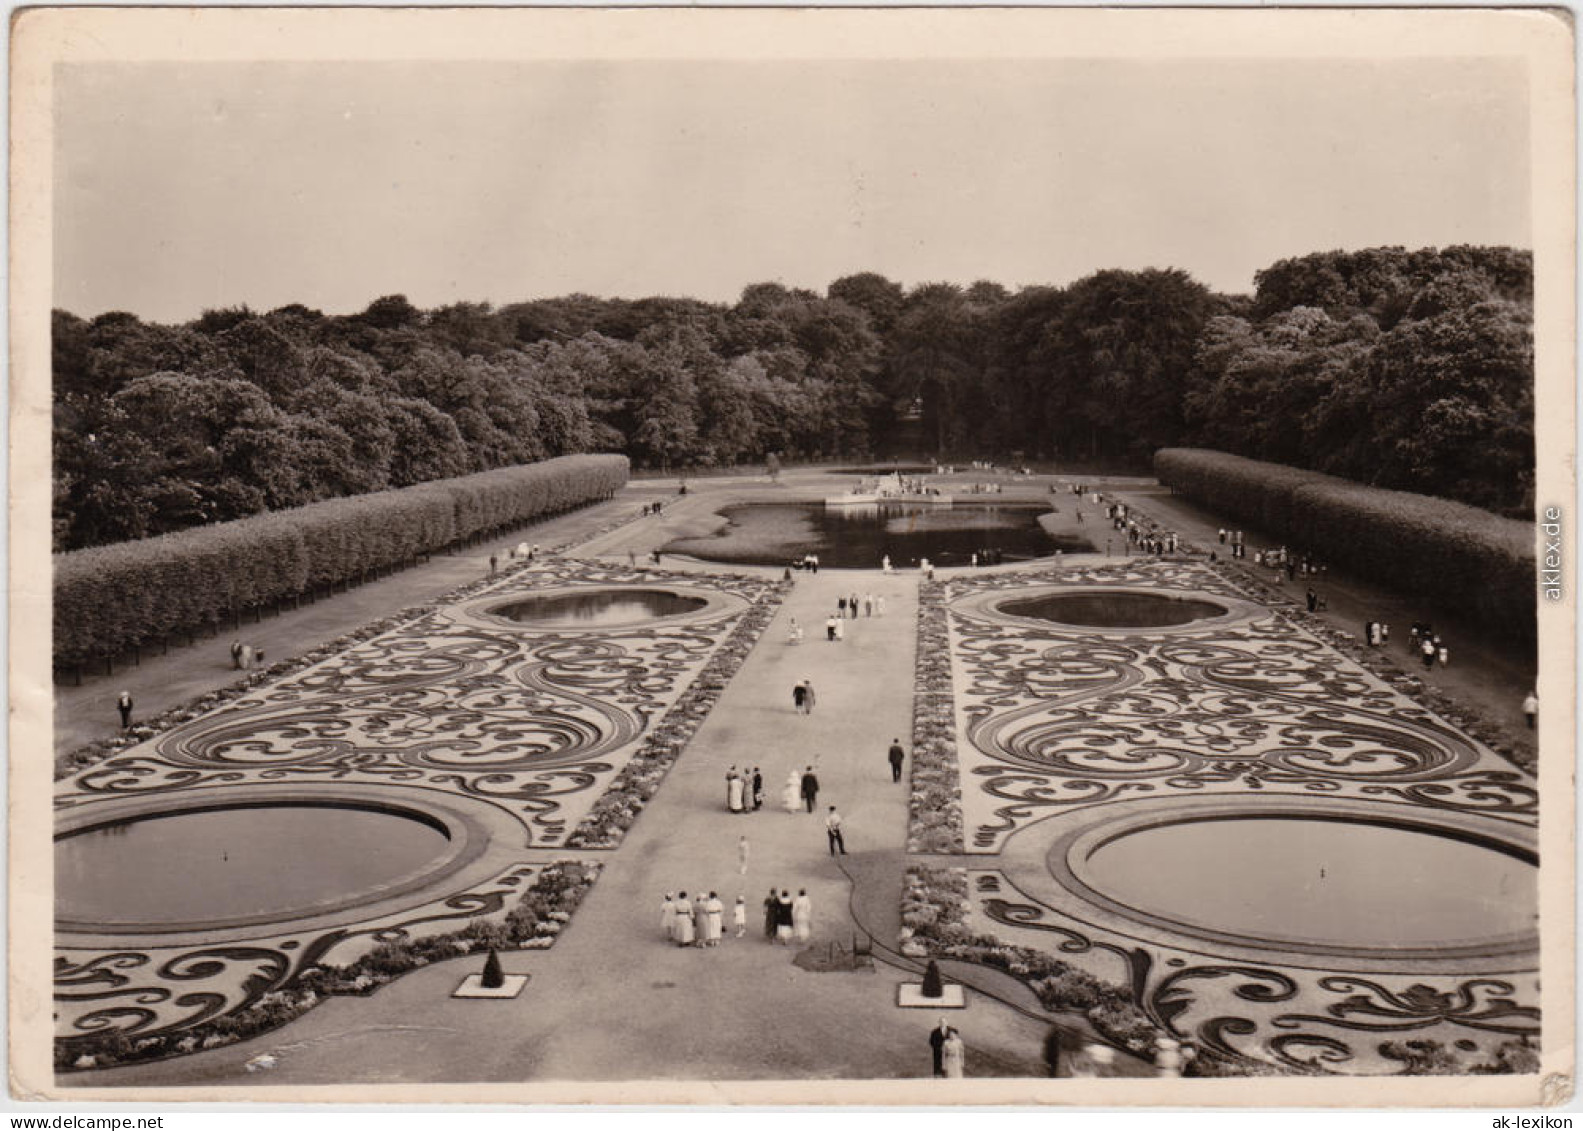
<point>897,754</point>
<point>810,788</point>
<point>937,1037</point>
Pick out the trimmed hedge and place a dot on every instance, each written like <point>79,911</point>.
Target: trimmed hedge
<point>111,599</point>
<point>1466,561</point>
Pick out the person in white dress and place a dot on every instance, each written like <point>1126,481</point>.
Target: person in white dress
<point>715,913</point>
<point>791,795</point>
<point>739,916</point>
<point>685,933</point>
<point>954,1056</point>
<point>734,793</point>
<point>668,917</point>
<point>802,915</point>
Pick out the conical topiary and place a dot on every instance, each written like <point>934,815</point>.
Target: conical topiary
<point>494,977</point>
<point>932,985</point>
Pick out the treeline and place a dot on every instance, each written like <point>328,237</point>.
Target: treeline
<point>1461,559</point>
<point>109,600</point>
<point>1410,370</point>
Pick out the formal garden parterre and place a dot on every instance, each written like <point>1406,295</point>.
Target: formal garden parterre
<point>1069,738</point>
<point>522,739</point>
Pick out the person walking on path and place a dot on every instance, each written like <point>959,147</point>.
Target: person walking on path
<point>954,1055</point>
<point>123,704</point>
<point>897,755</point>
<point>1445,655</point>
<point>840,607</point>
<point>810,788</point>
<point>1531,708</point>
<point>494,564</point>
<point>742,855</point>
<point>803,697</point>
<point>851,603</point>
<point>758,789</point>
<point>1427,648</point>
<point>771,915</point>
<point>668,917</point>
<point>739,916</point>
<point>832,828</point>
<point>686,932</point>
<point>736,792</point>
<point>715,921</point>
<point>236,654</point>
<point>791,791</point>
<point>830,627</point>
<point>879,604</point>
<point>937,1037</point>
<point>783,919</point>
<point>802,915</point>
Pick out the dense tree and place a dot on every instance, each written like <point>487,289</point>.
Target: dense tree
<point>1404,369</point>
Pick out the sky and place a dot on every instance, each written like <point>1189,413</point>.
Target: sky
<point>181,187</point>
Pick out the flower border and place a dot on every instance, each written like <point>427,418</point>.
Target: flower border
<point>934,804</point>
<point>534,924</point>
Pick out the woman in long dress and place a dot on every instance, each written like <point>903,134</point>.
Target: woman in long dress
<point>771,906</point>
<point>716,912</point>
<point>802,915</point>
<point>668,917</point>
<point>954,1055</point>
<point>734,793</point>
<point>791,795</point>
<point>701,919</point>
<point>685,935</point>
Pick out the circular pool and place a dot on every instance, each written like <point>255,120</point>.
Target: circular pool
<point>598,608</point>
<point>1305,880</point>
<point>229,864</point>
<point>1091,609</point>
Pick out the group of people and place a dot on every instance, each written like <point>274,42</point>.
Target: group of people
<point>701,921</point>
<point>846,608</point>
<point>786,918</point>
<point>1233,539</point>
<point>244,656</point>
<point>744,790</point>
<point>654,508</point>
<point>986,557</point>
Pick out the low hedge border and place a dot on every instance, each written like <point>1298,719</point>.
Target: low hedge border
<point>535,923</point>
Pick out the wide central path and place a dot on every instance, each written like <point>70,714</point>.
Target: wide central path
<point>612,1000</point>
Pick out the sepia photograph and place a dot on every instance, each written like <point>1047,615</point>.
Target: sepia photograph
<point>845,556</point>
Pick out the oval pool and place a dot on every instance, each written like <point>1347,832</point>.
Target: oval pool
<point>598,608</point>
<point>1113,609</point>
<point>200,867</point>
<point>1345,882</point>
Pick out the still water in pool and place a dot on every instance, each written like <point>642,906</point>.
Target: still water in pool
<point>218,864</point>
<point>600,608</point>
<point>1300,880</point>
<point>859,537</point>
<point>1113,610</point>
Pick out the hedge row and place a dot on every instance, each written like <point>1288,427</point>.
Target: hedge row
<point>110,599</point>
<point>1463,560</point>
